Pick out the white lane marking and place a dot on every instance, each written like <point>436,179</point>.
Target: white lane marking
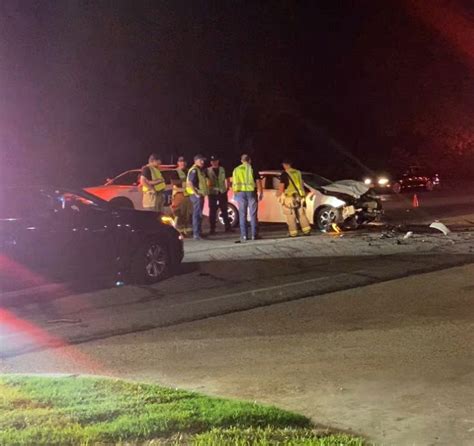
<point>270,288</point>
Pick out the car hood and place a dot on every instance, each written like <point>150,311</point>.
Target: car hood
<point>349,187</point>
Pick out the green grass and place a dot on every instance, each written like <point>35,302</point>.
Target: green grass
<point>89,411</point>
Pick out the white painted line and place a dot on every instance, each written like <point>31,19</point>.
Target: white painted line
<point>270,288</point>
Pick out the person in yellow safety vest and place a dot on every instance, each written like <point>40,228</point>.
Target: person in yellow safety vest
<point>293,199</point>
<point>197,188</point>
<point>218,188</point>
<point>153,184</point>
<point>245,184</point>
<point>181,204</point>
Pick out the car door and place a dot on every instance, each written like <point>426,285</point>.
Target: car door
<point>87,233</point>
<point>270,209</point>
<point>28,251</point>
<point>128,185</point>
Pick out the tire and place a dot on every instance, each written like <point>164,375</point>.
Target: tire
<point>122,202</point>
<point>151,263</point>
<point>429,186</point>
<point>324,217</point>
<point>396,188</point>
<point>233,216</point>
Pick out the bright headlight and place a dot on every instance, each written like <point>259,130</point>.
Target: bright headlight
<point>383,181</point>
<point>167,220</point>
<point>367,181</point>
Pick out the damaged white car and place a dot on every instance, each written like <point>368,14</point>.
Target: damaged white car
<point>345,203</point>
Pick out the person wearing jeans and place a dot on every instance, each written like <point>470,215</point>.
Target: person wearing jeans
<point>197,202</point>
<point>247,202</point>
<point>245,185</point>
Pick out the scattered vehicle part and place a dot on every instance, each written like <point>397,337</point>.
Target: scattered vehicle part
<point>440,227</point>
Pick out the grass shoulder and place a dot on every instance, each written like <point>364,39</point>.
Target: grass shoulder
<point>74,410</point>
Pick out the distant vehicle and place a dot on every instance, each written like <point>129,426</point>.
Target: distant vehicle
<point>415,177</point>
<point>52,235</point>
<point>124,190</point>
<point>346,203</point>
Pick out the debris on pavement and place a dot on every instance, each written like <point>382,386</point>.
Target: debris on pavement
<point>440,227</point>
<point>408,235</point>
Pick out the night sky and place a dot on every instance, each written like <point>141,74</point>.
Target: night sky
<point>90,88</point>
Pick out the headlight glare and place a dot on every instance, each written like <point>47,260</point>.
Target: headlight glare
<point>165,219</point>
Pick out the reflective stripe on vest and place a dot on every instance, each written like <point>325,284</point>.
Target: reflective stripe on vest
<point>202,181</point>
<point>243,179</point>
<point>155,175</point>
<point>297,178</point>
<point>217,181</point>
<point>183,178</point>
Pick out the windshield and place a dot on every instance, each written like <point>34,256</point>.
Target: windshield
<point>314,180</point>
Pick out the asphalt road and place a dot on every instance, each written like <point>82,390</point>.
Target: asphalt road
<point>453,201</point>
<point>220,277</point>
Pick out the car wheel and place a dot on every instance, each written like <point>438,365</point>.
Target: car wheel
<point>397,188</point>
<point>429,186</point>
<point>151,263</point>
<point>233,214</point>
<point>325,217</point>
<point>121,202</point>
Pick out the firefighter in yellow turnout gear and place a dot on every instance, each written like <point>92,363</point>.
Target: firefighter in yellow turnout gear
<point>293,200</point>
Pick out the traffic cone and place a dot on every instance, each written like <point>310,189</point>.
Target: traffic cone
<point>416,203</point>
